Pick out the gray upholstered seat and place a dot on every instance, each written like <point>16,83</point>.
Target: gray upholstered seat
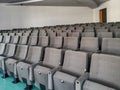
<point>102,30</point>
<point>117,34</point>
<point>88,34</point>
<point>1,38</point>
<point>56,42</point>
<point>52,60</point>
<point>105,34</point>
<point>19,34</point>
<point>32,40</point>
<point>14,39</point>
<point>10,63</point>
<point>43,41</point>
<point>6,51</point>
<point>74,66</point>
<point>23,40</point>
<point>70,43</point>
<point>89,44</point>
<point>111,46</point>
<point>104,73</point>
<point>6,39</point>
<point>24,68</point>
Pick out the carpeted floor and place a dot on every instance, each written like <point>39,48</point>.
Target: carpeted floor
<point>5,84</point>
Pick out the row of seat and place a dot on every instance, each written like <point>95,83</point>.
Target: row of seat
<point>56,69</point>
<point>92,44</point>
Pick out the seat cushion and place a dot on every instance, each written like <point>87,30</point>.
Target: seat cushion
<point>89,85</point>
<point>64,81</point>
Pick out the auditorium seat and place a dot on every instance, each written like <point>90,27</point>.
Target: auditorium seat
<point>43,41</point>
<point>19,34</point>
<point>111,46</point>
<point>14,39</point>
<point>6,39</point>
<point>32,40</point>
<point>75,65</point>
<point>56,42</point>
<point>25,68</point>
<point>23,40</point>
<point>117,34</point>
<point>8,51</point>
<point>11,62</point>
<point>51,63</point>
<point>70,43</point>
<point>88,34</point>
<point>11,34</point>
<point>104,34</point>
<point>104,74</point>
<point>89,44</point>
<point>1,38</point>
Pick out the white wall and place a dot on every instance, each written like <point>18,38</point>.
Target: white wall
<point>113,11</point>
<point>33,16</point>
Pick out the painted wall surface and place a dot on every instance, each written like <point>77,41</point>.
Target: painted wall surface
<point>36,16</point>
<point>113,11</point>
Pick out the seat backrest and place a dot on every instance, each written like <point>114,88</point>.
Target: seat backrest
<point>21,52</point>
<point>10,50</point>
<point>26,34</point>
<point>42,33</point>
<point>75,34</point>
<point>106,68</point>
<point>43,41</point>
<point>88,34</point>
<point>52,57</point>
<point>75,62</point>
<point>35,54</point>
<point>14,39</point>
<point>1,37</point>
<point>70,43</point>
<point>89,44</point>
<point>56,42</point>
<point>6,39</point>
<point>11,34</point>
<point>117,34</point>
<point>32,40</point>
<point>105,34</point>
<point>2,48</point>
<point>19,34</point>
<point>111,45</point>
<point>23,40</point>
<point>63,34</point>
<point>101,30</point>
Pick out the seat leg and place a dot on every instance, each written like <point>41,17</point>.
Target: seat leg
<point>16,80</point>
<point>28,87</point>
<point>4,76</point>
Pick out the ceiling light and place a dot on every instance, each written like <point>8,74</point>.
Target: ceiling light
<point>28,1</point>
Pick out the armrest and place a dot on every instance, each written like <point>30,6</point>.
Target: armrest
<point>50,77</point>
<point>79,82</point>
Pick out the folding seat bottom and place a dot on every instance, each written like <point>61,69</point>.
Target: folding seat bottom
<point>23,71</point>
<point>63,81</point>
<point>10,65</point>
<point>89,85</point>
<point>41,76</point>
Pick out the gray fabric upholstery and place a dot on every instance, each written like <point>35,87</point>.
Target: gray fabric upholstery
<point>89,44</point>
<point>6,39</point>
<point>105,68</point>
<point>111,45</point>
<point>1,37</point>
<point>56,42</point>
<point>88,34</point>
<point>117,34</point>
<point>104,34</point>
<point>102,30</point>
<point>43,41</point>
<point>19,55</point>
<point>89,85</point>
<point>70,43</point>
<point>19,34</point>
<point>23,39</point>
<point>2,48</point>
<point>71,60</point>
<point>32,40</point>
<point>65,79</point>
<point>52,59</point>
<point>14,39</point>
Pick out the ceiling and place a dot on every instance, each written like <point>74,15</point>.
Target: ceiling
<point>88,3</point>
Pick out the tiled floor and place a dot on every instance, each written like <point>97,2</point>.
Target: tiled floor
<point>5,84</point>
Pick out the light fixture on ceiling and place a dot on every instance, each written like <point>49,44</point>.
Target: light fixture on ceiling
<point>28,1</point>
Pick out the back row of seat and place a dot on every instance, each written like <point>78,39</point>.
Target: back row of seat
<point>56,69</point>
<point>92,44</point>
